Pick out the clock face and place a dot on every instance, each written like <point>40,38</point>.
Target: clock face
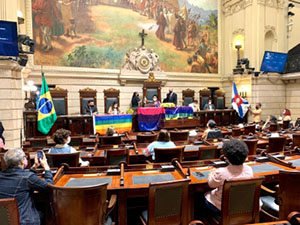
<point>144,63</point>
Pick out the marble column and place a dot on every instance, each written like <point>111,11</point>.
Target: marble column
<point>11,102</point>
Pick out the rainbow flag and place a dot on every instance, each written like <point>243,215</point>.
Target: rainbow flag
<point>179,112</point>
<point>121,123</point>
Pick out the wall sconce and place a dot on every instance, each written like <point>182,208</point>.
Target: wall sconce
<point>31,93</point>
<point>243,92</point>
<point>238,69</point>
<point>20,17</point>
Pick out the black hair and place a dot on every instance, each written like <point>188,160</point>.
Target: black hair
<point>273,119</point>
<point>189,61</point>
<point>236,151</point>
<point>163,136</point>
<point>211,124</point>
<point>90,101</point>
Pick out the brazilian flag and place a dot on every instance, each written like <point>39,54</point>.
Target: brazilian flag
<point>46,111</point>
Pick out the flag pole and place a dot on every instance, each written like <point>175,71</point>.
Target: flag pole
<point>42,70</point>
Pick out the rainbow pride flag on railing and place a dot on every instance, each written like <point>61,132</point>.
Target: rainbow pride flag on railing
<point>121,123</point>
<point>179,112</point>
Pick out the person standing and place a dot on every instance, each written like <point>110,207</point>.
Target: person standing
<point>135,100</point>
<point>256,113</point>
<point>162,23</point>
<point>177,41</point>
<point>171,97</point>
<point>45,11</point>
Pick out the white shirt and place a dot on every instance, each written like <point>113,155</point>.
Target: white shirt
<point>194,106</point>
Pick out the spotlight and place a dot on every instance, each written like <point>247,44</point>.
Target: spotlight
<point>22,60</point>
<point>291,14</point>
<point>291,5</point>
<point>26,40</point>
<point>256,74</point>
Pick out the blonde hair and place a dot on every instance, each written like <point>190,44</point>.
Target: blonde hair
<point>110,131</point>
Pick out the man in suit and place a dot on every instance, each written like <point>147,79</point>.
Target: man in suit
<point>171,97</point>
<point>209,105</point>
<point>90,108</point>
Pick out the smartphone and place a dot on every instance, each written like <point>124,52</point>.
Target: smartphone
<point>40,155</point>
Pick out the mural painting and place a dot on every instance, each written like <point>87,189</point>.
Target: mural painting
<point>98,33</point>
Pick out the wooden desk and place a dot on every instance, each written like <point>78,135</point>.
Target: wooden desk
<point>283,222</point>
<point>83,124</point>
<point>133,190</point>
<point>77,124</point>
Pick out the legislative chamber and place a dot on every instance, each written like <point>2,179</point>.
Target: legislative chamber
<point>159,112</point>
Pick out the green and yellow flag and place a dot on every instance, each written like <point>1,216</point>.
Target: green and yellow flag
<point>46,111</point>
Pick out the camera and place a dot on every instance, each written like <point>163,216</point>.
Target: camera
<point>27,41</point>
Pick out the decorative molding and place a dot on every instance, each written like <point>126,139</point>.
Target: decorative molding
<point>220,91</point>
<point>151,78</point>
<point>272,3</point>
<point>58,89</point>
<point>188,90</point>
<point>88,90</point>
<point>204,90</point>
<point>112,90</point>
<point>238,31</point>
<point>234,6</point>
<point>272,29</point>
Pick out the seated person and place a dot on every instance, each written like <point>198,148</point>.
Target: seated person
<point>18,183</point>
<point>156,102</point>
<point>195,106</point>
<point>110,131</point>
<point>211,127</point>
<point>271,119</point>
<point>90,108</point>
<point>114,109</point>
<point>235,152</point>
<point>209,105</point>
<point>2,146</point>
<point>163,141</point>
<point>62,139</point>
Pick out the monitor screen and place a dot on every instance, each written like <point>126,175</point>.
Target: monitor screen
<point>8,38</point>
<point>273,62</point>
